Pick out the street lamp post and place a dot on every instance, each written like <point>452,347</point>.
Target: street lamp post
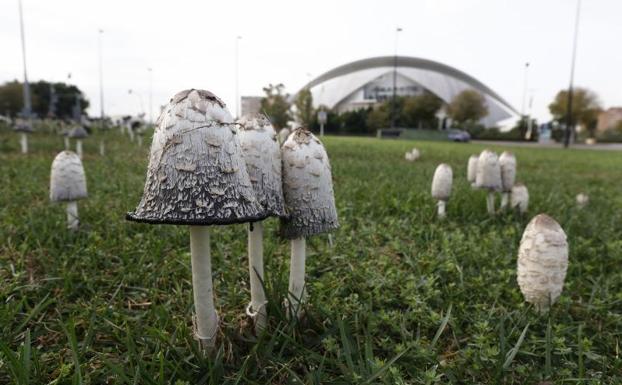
<point>394,99</point>
<point>26,112</point>
<point>525,82</point>
<point>237,76</point>
<point>101,75</point>
<point>569,120</point>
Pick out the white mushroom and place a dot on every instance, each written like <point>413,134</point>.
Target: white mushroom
<point>197,177</point>
<point>441,187</point>
<point>488,177</point>
<point>507,162</point>
<point>472,169</point>
<point>310,203</point>
<point>582,200</point>
<point>520,198</point>
<point>68,184</point>
<point>78,133</point>
<point>263,162</point>
<point>283,134</point>
<point>542,261</point>
<point>415,153</point>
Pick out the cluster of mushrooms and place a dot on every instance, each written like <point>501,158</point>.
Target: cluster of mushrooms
<point>207,170</point>
<point>543,251</point>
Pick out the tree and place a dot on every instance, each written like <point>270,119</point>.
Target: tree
<point>11,98</point>
<point>469,106</point>
<point>304,107</point>
<point>420,111</point>
<point>380,117</point>
<point>275,105</point>
<point>585,108</point>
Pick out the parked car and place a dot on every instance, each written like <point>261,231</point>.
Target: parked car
<point>456,135</point>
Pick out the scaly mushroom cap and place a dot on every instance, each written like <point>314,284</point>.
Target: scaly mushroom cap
<point>542,261</point>
<point>519,197</point>
<point>78,132</point>
<point>488,174</point>
<point>507,161</point>
<point>263,162</point>
<point>307,187</point>
<point>67,180</point>
<point>196,173</point>
<point>441,183</point>
<point>472,168</point>
<point>283,134</point>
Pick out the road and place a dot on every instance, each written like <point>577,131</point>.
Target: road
<point>597,146</point>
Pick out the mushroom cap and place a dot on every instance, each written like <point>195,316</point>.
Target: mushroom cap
<point>196,173</point>
<point>263,162</point>
<point>441,182</point>
<point>67,179</point>
<point>542,261</point>
<point>307,187</point>
<point>283,134</point>
<point>582,199</point>
<point>519,197</point>
<point>507,162</point>
<point>472,168</point>
<point>488,175</point>
<point>78,132</point>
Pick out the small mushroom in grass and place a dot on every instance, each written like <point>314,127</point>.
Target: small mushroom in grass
<point>412,155</point>
<point>68,184</point>
<point>78,133</point>
<point>472,169</point>
<point>582,200</point>
<point>441,187</point>
<point>24,128</point>
<point>488,177</point>
<point>197,177</point>
<point>519,198</point>
<point>507,162</point>
<point>309,201</point>
<point>263,162</point>
<point>542,261</point>
<point>283,134</point>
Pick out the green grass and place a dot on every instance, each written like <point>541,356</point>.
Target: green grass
<point>400,298</point>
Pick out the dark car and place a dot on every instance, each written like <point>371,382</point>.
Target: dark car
<point>458,136</point>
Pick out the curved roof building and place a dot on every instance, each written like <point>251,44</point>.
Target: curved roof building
<point>366,82</point>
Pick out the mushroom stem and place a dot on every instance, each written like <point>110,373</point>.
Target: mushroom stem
<point>206,316</point>
<point>505,200</point>
<point>490,202</point>
<point>79,147</point>
<point>102,150</point>
<point>23,141</point>
<point>297,276</point>
<point>66,142</point>
<point>72,215</point>
<point>257,307</point>
<point>441,209</point>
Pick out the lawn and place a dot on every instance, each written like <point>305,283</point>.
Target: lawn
<point>399,297</point>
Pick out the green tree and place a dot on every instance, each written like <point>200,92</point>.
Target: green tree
<point>585,108</point>
<point>304,107</point>
<point>11,98</point>
<point>379,117</point>
<point>420,110</point>
<point>468,107</point>
<point>275,105</point>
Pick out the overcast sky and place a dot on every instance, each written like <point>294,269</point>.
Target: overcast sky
<point>192,44</point>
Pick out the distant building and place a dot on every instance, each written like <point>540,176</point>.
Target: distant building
<point>250,105</point>
<point>367,82</point>
<point>609,118</point>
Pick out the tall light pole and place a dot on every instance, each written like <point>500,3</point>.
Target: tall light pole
<point>26,112</point>
<point>150,95</point>
<point>569,122</point>
<point>394,99</point>
<point>237,76</point>
<point>525,83</point>
<point>101,75</point>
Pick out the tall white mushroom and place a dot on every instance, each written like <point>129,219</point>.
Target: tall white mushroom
<point>441,187</point>
<point>520,198</point>
<point>78,133</point>
<point>507,162</point>
<point>542,261</point>
<point>197,177</point>
<point>263,163</point>
<point>68,184</point>
<point>24,128</point>
<point>472,169</point>
<point>309,201</point>
<point>582,200</point>
<point>488,177</point>
<point>283,134</point>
